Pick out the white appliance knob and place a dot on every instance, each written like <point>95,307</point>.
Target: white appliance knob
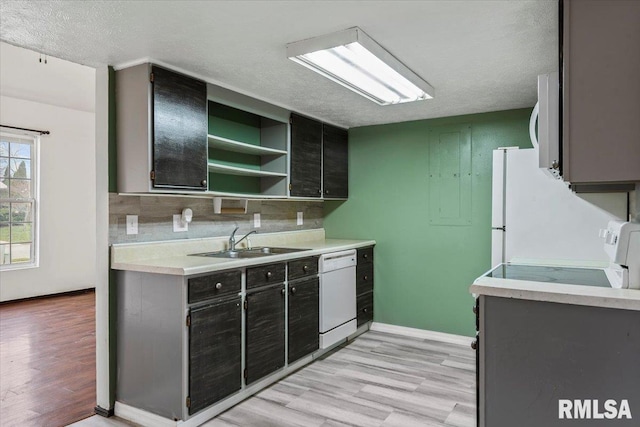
<point>602,233</point>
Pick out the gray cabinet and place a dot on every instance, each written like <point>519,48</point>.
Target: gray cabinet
<point>161,119</point>
<point>601,91</point>
<point>534,353</point>
<point>184,344</point>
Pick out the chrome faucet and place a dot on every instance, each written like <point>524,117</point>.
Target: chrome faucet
<point>232,239</point>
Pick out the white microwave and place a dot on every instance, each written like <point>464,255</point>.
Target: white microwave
<point>547,113</point>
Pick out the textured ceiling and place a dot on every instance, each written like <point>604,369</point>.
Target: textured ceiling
<point>479,55</point>
<point>56,81</point>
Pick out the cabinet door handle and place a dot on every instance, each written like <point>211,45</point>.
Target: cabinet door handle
<point>326,191</point>
<point>365,256</point>
<point>475,310</point>
<point>319,191</point>
<point>365,310</point>
<point>366,277</point>
<point>269,275</point>
<point>293,290</point>
<point>218,286</point>
<point>474,344</point>
<point>282,291</point>
<point>305,268</point>
<point>203,182</point>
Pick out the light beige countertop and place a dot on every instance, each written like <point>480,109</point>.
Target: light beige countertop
<point>627,299</point>
<point>173,257</point>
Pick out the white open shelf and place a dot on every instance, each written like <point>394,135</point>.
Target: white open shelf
<point>233,170</point>
<point>250,196</point>
<point>242,147</point>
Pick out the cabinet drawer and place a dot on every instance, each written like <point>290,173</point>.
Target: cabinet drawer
<point>364,278</point>
<point>303,267</point>
<point>364,304</point>
<point>265,275</point>
<point>365,255</point>
<point>214,285</point>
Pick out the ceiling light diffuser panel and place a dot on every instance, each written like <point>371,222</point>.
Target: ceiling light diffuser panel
<point>355,61</point>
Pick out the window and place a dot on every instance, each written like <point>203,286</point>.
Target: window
<point>18,201</point>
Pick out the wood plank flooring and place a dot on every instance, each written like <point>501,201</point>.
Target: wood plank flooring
<point>47,361</point>
<point>377,380</point>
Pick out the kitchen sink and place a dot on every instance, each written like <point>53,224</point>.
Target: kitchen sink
<point>266,250</point>
<point>249,253</point>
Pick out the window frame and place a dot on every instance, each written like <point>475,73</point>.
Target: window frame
<point>34,200</point>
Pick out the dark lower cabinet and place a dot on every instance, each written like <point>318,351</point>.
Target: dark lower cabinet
<point>215,353</point>
<point>335,162</point>
<point>264,332</point>
<point>180,126</point>
<point>364,305</point>
<point>303,318</point>
<point>364,278</point>
<point>305,157</point>
<point>364,285</point>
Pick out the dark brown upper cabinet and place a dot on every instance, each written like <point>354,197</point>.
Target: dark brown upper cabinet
<point>335,162</point>
<point>319,159</point>
<point>305,178</point>
<point>161,130</point>
<point>180,125</point>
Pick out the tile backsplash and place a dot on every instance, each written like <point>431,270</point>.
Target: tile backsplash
<point>155,217</point>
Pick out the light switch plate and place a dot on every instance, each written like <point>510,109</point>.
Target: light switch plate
<point>300,220</point>
<point>256,220</point>
<point>178,226</point>
<point>132,224</point>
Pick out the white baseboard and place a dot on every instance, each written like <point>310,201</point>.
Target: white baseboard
<point>422,333</point>
<point>141,417</point>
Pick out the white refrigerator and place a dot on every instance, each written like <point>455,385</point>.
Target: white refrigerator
<point>537,218</point>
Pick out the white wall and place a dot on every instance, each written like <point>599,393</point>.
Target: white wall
<point>67,200</point>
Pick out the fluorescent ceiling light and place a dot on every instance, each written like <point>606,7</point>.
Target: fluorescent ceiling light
<point>357,62</point>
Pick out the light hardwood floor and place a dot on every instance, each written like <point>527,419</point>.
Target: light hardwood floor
<point>377,380</point>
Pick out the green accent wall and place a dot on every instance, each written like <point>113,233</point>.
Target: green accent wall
<point>423,269</point>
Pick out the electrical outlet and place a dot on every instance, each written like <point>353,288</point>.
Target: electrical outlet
<point>256,220</point>
<point>132,224</point>
<point>178,225</point>
<point>300,220</point>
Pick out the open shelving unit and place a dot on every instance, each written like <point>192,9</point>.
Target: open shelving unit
<point>247,153</point>
<point>220,143</point>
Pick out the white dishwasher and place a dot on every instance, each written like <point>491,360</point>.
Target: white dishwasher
<point>337,296</point>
